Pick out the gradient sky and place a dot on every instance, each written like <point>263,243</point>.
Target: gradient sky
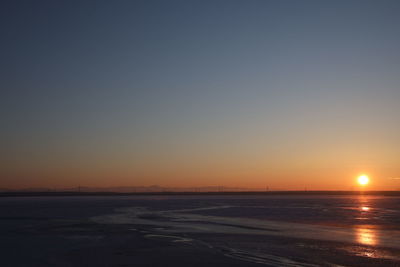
<point>196,93</point>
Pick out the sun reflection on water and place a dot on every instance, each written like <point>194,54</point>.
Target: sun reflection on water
<point>366,236</point>
<point>365,208</point>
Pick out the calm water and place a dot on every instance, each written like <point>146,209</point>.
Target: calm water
<point>360,227</point>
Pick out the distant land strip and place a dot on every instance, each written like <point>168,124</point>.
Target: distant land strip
<point>213,193</point>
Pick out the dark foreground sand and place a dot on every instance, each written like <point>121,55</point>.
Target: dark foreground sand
<point>74,243</point>
<point>81,244</point>
<point>178,232</point>
<point>128,248</point>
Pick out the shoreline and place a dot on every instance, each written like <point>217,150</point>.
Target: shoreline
<point>188,193</point>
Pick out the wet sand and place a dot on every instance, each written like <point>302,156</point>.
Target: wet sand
<point>197,231</point>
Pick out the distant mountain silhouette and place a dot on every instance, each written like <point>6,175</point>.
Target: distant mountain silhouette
<point>131,189</point>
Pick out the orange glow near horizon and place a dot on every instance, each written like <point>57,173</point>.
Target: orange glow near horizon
<point>195,175</point>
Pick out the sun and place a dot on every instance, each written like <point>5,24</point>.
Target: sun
<point>363,179</point>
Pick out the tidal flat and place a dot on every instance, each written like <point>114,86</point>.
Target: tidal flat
<point>200,230</point>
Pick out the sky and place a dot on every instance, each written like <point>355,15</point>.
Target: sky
<point>285,94</point>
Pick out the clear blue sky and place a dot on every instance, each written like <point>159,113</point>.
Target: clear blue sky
<point>176,93</point>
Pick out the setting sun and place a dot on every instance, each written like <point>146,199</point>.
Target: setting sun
<point>363,180</point>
